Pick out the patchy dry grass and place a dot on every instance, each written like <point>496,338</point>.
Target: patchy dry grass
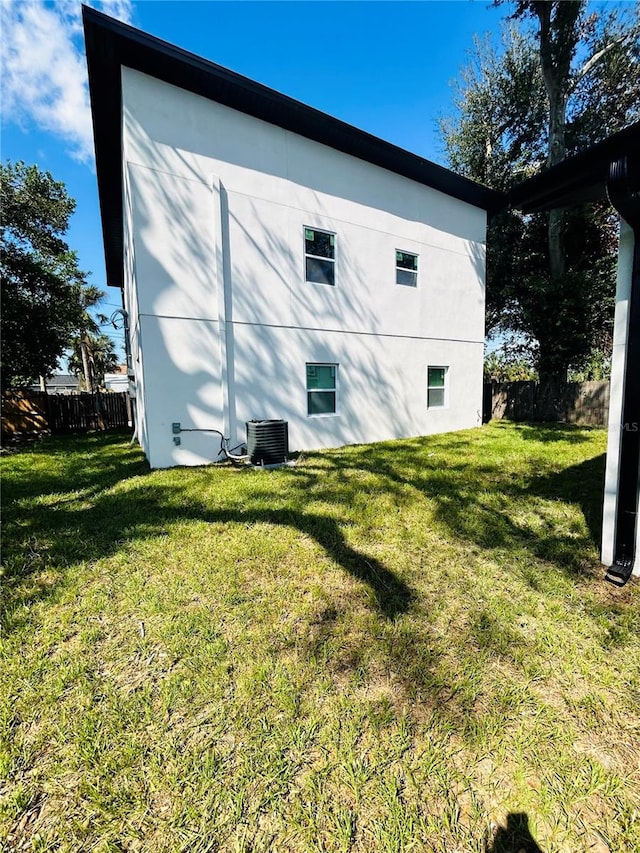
<point>405,646</point>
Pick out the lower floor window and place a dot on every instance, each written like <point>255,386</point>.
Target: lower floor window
<point>436,387</point>
<point>322,387</point>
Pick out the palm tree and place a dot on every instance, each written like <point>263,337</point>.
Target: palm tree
<point>92,356</point>
<point>87,337</point>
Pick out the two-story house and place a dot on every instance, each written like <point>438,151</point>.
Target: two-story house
<point>276,262</point>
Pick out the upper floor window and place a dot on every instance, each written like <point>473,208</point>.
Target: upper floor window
<point>437,387</point>
<point>319,256</point>
<point>406,268</point>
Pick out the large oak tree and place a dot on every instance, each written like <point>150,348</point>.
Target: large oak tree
<point>563,79</point>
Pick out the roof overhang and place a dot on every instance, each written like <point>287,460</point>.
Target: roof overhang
<point>111,44</point>
<point>582,178</point>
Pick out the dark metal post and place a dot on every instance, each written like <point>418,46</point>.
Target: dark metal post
<point>624,193</point>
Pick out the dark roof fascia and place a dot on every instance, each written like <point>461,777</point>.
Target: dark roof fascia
<point>582,178</point>
<point>111,44</point>
<point>105,92</point>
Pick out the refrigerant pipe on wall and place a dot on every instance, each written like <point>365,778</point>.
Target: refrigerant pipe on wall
<point>224,442</point>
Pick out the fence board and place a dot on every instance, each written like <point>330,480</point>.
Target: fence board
<point>584,403</point>
<point>34,412</point>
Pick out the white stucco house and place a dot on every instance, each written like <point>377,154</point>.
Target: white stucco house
<point>277,263</point>
<point>610,172</point>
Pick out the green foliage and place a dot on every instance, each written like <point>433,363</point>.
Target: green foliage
<point>508,367</point>
<point>607,97</point>
<point>551,90</point>
<point>597,367</point>
<point>92,352</point>
<point>499,106</point>
<point>41,281</point>
<point>101,356</point>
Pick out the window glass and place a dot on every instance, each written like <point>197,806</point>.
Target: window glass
<point>321,376</point>
<point>435,398</point>
<point>319,243</point>
<point>320,255</point>
<point>436,387</point>
<point>319,272</point>
<point>436,377</point>
<point>406,268</point>
<point>321,402</point>
<point>321,389</point>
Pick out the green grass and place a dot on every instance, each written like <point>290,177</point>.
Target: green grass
<point>399,647</point>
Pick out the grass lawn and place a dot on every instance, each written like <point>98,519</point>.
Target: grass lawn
<point>396,647</point>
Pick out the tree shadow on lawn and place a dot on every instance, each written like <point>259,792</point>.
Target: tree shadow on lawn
<point>549,432</point>
<point>475,516</point>
<point>104,461</point>
<point>99,530</point>
<point>466,501</point>
<point>475,503</point>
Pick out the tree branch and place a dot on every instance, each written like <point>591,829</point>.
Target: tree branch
<point>588,65</point>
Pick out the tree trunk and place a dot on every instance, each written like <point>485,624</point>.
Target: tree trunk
<point>557,44</point>
<point>86,372</point>
<point>550,363</point>
<point>555,239</point>
<point>555,154</point>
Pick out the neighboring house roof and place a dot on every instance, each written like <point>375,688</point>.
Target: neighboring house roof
<point>111,44</point>
<point>58,381</point>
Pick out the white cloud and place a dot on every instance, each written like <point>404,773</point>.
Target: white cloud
<point>44,72</point>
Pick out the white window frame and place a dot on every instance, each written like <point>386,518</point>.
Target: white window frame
<point>445,387</point>
<point>333,390</point>
<point>397,268</point>
<point>306,255</point>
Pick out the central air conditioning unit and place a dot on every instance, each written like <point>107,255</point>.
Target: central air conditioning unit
<point>267,442</point>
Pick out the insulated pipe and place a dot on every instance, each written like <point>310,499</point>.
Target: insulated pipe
<point>223,442</point>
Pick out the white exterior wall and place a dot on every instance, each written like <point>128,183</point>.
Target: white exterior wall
<point>616,425</point>
<point>222,319</point>
<point>117,382</point>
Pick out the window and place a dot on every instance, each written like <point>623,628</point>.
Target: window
<point>406,268</point>
<point>321,389</point>
<point>436,387</point>
<point>319,256</point>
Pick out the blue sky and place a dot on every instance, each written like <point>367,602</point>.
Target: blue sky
<point>385,67</point>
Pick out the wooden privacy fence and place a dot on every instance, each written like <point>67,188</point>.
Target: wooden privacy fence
<point>585,403</point>
<point>33,412</point>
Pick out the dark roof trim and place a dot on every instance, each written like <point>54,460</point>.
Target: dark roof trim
<point>111,44</point>
<point>578,179</point>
